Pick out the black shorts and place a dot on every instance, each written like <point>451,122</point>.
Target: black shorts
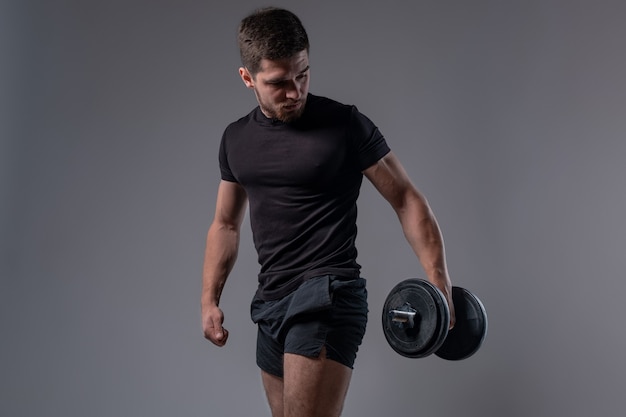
<point>324,311</point>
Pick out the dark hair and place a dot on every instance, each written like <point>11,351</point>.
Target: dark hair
<point>270,33</point>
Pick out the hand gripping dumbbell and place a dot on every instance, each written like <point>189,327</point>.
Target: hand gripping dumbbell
<point>416,319</point>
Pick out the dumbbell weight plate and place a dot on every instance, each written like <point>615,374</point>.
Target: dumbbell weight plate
<point>470,329</point>
<point>415,318</point>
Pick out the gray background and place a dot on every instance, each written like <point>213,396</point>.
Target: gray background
<point>509,116</point>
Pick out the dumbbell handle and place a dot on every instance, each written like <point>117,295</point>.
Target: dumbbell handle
<point>404,315</point>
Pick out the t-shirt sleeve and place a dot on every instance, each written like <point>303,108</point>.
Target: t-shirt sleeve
<point>370,143</point>
<point>225,171</point>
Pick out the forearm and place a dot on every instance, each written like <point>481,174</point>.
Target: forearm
<point>221,252</point>
<point>422,231</point>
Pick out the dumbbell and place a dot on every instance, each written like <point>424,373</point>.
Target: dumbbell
<point>416,320</point>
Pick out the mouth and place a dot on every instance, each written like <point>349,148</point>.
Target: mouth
<point>292,106</point>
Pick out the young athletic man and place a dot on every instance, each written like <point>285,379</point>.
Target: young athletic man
<point>298,161</point>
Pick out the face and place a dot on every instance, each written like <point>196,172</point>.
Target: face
<point>281,86</point>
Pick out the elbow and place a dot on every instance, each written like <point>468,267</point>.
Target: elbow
<point>412,204</point>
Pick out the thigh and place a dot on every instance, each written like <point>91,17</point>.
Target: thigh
<point>347,321</point>
<point>269,352</point>
<point>315,386</point>
<point>338,329</point>
<point>292,324</point>
<point>324,313</point>
<point>274,387</point>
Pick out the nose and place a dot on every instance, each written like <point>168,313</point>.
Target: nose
<point>294,90</point>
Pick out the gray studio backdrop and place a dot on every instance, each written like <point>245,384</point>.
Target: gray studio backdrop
<point>509,115</point>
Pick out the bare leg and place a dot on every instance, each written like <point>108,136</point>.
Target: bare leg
<point>314,387</point>
<point>274,390</point>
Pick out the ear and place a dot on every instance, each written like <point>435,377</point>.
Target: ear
<point>246,77</point>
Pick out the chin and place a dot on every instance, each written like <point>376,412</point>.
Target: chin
<point>292,116</point>
<point>289,118</point>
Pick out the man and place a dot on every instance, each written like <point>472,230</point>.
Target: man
<point>298,160</point>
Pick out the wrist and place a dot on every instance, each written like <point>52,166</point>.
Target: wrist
<point>209,301</point>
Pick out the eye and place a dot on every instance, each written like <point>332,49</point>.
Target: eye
<point>277,84</point>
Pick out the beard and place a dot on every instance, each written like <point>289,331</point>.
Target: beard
<point>286,112</point>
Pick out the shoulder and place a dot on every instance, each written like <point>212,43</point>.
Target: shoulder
<point>320,103</point>
<point>241,122</point>
<point>323,111</point>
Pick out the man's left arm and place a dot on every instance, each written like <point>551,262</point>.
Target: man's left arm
<point>417,219</point>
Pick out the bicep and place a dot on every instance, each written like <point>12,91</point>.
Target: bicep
<point>391,180</point>
<point>231,204</point>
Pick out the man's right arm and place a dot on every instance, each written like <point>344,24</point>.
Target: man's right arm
<point>222,246</point>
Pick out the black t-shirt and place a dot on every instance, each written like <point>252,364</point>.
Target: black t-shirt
<point>303,181</point>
